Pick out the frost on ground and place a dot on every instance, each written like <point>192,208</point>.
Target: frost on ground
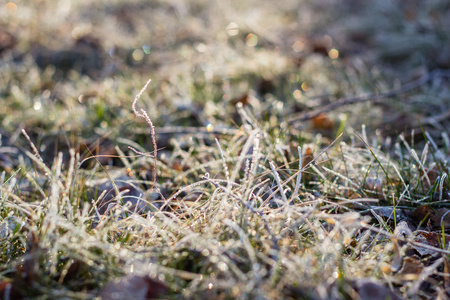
<point>288,150</point>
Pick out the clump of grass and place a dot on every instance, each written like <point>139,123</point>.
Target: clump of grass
<point>241,202</point>
<point>240,238</point>
<point>248,221</point>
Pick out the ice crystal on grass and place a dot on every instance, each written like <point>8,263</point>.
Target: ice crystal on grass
<point>265,166</point>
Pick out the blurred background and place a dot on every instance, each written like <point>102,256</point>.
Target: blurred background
<point>72,68</point>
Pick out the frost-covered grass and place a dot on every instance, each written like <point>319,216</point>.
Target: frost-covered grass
<point>236,200</point>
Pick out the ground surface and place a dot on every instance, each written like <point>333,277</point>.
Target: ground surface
<point>282,150</point>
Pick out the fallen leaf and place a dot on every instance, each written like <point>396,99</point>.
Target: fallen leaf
<point>244,100</point>
<point>388,212</point>
<point>371,290</point>
<point>434,216</point>
<point>132,195</point>
<point>430,176</point>
<point>102,149</point>
<point>321,45</point>
<point>323,122</point>
<point>134,287</point>
<point>86,56</point>
<point>307,157</point>
<point>430,239</point>
<point>411,265</point>
<point>421,214</point>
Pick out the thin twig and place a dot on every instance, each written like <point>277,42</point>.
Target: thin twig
<point>372,97</point>
<point>172,130</point>
<point>143,114</point>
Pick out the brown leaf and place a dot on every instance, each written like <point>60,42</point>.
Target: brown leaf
<point>321,45</point>
<point>371,290</point>
<point>411,265</point>
<point>178,165</point>
<point>439,217</point>
<point>244,99</point>
<point>430,176</point>
<point>134,287</point>
<point>388,212</point>
<point>103,150</point>
<point>434,216</point>
<point>86,56</point>
<point>323,122</point>
<point>430,239</point>
<point>421,214</point>
<point>307,157</point>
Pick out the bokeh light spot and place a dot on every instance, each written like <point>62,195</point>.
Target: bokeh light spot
<point>298,46</point>
<point>200,47</point>
<point>233,29</point>
<point>222,266</point>
<point>138,55</point>
<point>146,49</point>
<point>333,53</point>
<point>37,105</point>
<point>251,40</point>
<point>297,94</point>
<point>11,7</point>
<point>305,86</point>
